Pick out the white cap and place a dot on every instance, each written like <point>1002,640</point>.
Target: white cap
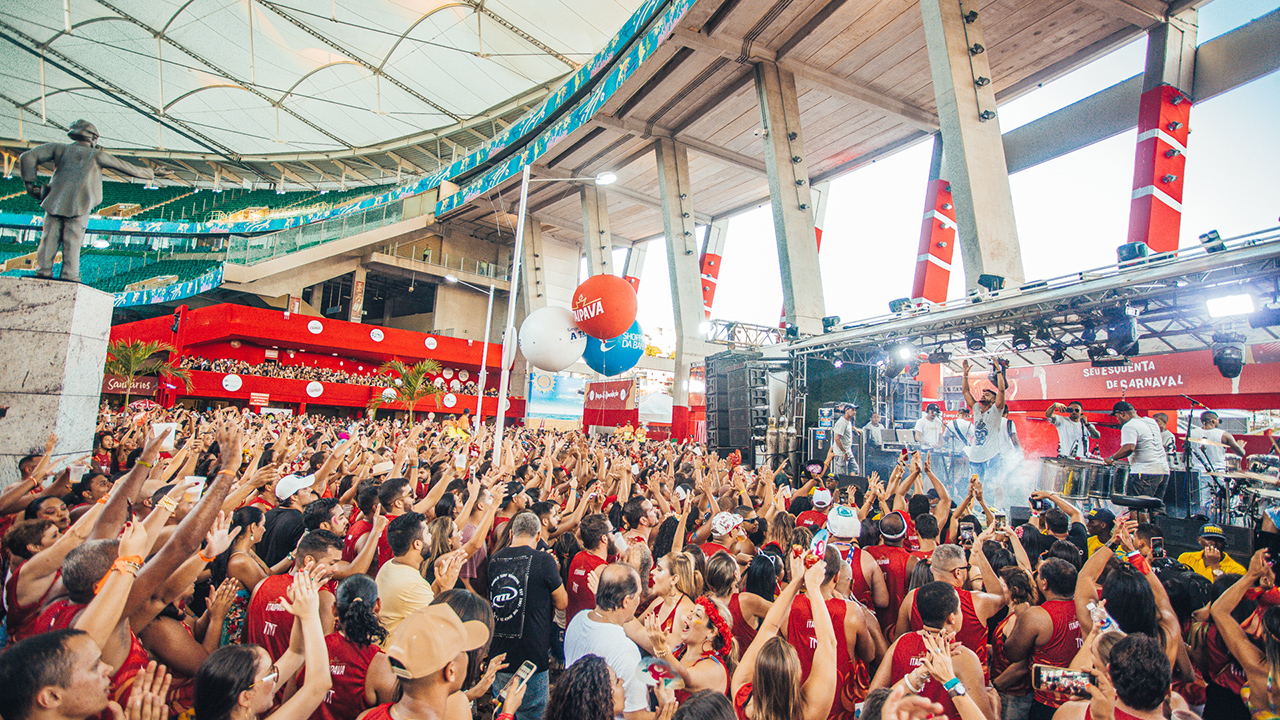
<point>842,522</point>
<point>383,468</point>
<point>821,497</point>
<point>289,485</point>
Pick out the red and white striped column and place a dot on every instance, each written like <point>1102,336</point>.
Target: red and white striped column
<point>1155,212</point>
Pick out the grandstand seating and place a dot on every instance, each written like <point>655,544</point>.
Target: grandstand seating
<point>184,269</point>
<point>113,270</point>
<point>179,202</point>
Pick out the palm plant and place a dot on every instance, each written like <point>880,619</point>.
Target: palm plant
<point>132,359</point>
<point>413,384</point>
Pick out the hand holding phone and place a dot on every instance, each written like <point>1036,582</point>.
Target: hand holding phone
<point>1062,680</point>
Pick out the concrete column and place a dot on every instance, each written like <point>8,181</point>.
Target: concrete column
<point>597,243</point>
<point>976,165</point>
<point>712,252</point>
<point>937,235</point>
<point>682,264</point>
<point>1164,115</point>
<point>357,294</point>
<point>635,265</point>
<point>784,161</point>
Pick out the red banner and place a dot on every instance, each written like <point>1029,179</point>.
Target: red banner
<point>259,398</point>
<point>610,395</point>
<point>1187,373</point>
<point>143,385</point>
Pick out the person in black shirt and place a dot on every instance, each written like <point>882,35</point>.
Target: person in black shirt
<point>524,586</point>
<point>284,526</point>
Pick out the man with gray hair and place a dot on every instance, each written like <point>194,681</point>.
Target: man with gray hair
<point>73,192</point>
<point>524,586</point>
<point>600,632</point>
<point>949,565</point>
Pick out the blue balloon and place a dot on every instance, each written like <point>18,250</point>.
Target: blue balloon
<point>615,355</point>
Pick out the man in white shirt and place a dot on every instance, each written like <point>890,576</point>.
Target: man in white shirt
<point>1207,457</point>
<point>599,632</point>
<point>1170,442</point>
<point>1140,442</point>
<point>1074,431</point>
<point>873,431</point>
<point>844,462</point>
<point>929,429</point>
<point>988,422</point>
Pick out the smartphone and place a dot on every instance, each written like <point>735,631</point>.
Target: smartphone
<point>1040,505</point>
<point>966,533</point>
<point>194,492</point>
<point>1062,680</point>
<point>1157,548</point>
<point>1001,523</point>
<point>526,669</point>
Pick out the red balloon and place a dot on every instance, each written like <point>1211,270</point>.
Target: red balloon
<point>604,306</point>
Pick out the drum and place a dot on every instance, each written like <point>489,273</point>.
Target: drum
<point>1264,464</point>
<point>1065,477</point>
<point>1116,477</point>
<point>1233,462</point>
<point>1183,485</point>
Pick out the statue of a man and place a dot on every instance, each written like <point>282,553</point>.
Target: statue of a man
<point>73,193</point>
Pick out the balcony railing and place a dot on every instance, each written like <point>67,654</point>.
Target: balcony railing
<point>445,261</point>
<point>252,249</point>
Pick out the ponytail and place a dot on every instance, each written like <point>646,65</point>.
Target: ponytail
<point>355,599</point>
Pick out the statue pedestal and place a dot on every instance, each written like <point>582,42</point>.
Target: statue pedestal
<point>53,344</point>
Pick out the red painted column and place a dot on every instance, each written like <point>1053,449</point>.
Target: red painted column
<point>679,422</point>
<point>1155,212</point>
<point>937,244</point>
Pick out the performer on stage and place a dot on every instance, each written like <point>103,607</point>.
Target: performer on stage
<point>988,418</point>
<point>1074,431</point>
<point>873,431</point>
<point>1140,442</point>
<point>955,447</point>
<point>845,463</point>
<point>1210,457</point>
<point>1166,437</point>
<point>929,429</point>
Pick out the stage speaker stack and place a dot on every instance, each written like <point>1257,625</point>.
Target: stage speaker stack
<point>737,403</point>
<point>906,394</point>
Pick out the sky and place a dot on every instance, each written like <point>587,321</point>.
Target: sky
<point>1072,212</point>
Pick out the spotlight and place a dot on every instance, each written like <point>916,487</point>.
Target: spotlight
<point>1213,242</point>
<point>791,330</point>
<point>1058,352</point>
<point>606,178</point>
<point>838,363</point>
<point>892,368</point>
<point>899,305</point>
<point>1228,353</point>
<point>1097,351</point>
<point>1021,339</point>
<point>1131,253</point>
<point>913,369</point>
<point>939,356</point>
<point>993,283</point>
<point>1089,332</point>
<point>1042,334</point>
<point>975,340</point>
<point>1229,305</point>
<point>904,352</point>
<point>830,323</point>
<point>1122,337</point>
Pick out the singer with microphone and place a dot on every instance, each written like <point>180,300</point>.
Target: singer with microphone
<point>1074,431</point>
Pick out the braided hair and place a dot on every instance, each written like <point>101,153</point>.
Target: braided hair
<point>353,609</point>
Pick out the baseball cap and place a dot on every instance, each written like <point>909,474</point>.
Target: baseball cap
<point>431,638</point>
<point>382,468</point>
<point>821,497</point>
<point>724,523</point>
<point>1210,530</point>
<point>289,485</point>
<point>842,522</point>
<point>1103,515</point>
<point>1122,406</point>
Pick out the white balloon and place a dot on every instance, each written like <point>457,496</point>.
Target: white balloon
<point>550,340</point>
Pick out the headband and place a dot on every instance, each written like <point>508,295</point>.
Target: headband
<point>892,536</point>
<point>722,627</point>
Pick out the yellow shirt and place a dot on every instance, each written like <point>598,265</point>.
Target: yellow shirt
<point>1195,561</point>
<point>403,591</point>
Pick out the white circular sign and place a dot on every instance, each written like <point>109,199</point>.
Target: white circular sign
<point>316,327</point>
<point>440,383</point>
<point>376,335</point>
<point>430,342</point>
<point>231,383</point>
<point>506,404</point>
<point>388,395</point>
<point>455,384</point>
<point>450,400</point>
<point>315,389</point>
<point>447,373</point>
<point>464,375</point>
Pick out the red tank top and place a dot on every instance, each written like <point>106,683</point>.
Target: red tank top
<point>858,586</point>
<point>893,564</point>
<point>999,661</point>
<point>852,678</point>
<point>348,666</point>
<point>358,529</point>
<point>908,654</point>
<point>972,633</point>
<point>579,590</point>
<point>267,621</point>
<point>379,712</point>
<point>61,614</point>
<point>1061,648</point>
<point>19,619</point>
<point>742,630</point>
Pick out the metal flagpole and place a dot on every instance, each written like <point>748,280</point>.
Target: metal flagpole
<point>484,365</point>
<point>509,331</point>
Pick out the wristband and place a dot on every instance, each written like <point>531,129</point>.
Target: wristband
<point>200,555</point>
<point>950,684</point>
<point>224,472</point>
<point>506,716</point>
<point>129,565</point>
<point>144,463</point>
<point>167,504</point>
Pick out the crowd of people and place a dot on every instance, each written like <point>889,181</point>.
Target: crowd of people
<point>276,369</point>
<point>247,566</point>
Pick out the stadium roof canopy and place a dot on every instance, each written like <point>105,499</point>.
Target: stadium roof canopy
<point>351,91</point>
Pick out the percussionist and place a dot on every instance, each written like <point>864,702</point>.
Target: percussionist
<point>1074,431</point>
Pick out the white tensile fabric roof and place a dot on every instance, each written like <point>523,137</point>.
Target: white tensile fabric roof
<point>257,77</point>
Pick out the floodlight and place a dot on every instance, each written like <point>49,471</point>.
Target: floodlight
<point>975,340</point>
<point>1228,305</point>
<point>1021,339</point>
<point>606,178</point>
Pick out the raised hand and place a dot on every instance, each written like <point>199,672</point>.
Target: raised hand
<point>133,541</point>
<point>220,536</point>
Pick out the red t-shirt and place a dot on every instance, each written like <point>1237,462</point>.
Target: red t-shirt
<point>357,530</point>
<point>1063,644</point>
<point>711,548</point>
<point>267,621</point>
<point>348,666</point>
<point>580,595</point>
<point>812,519</point>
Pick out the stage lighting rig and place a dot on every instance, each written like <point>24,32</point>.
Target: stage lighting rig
<point>830,323</point>
<point>1088,332</point>
<point>1021,339</point>
<point>975,340</point>
<point>1042,332</point>
<point>1228,353</point>
<point>1212,242</point>
<point>1122,336</point>
<point>939,357</point>
<point>1057,351</point>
